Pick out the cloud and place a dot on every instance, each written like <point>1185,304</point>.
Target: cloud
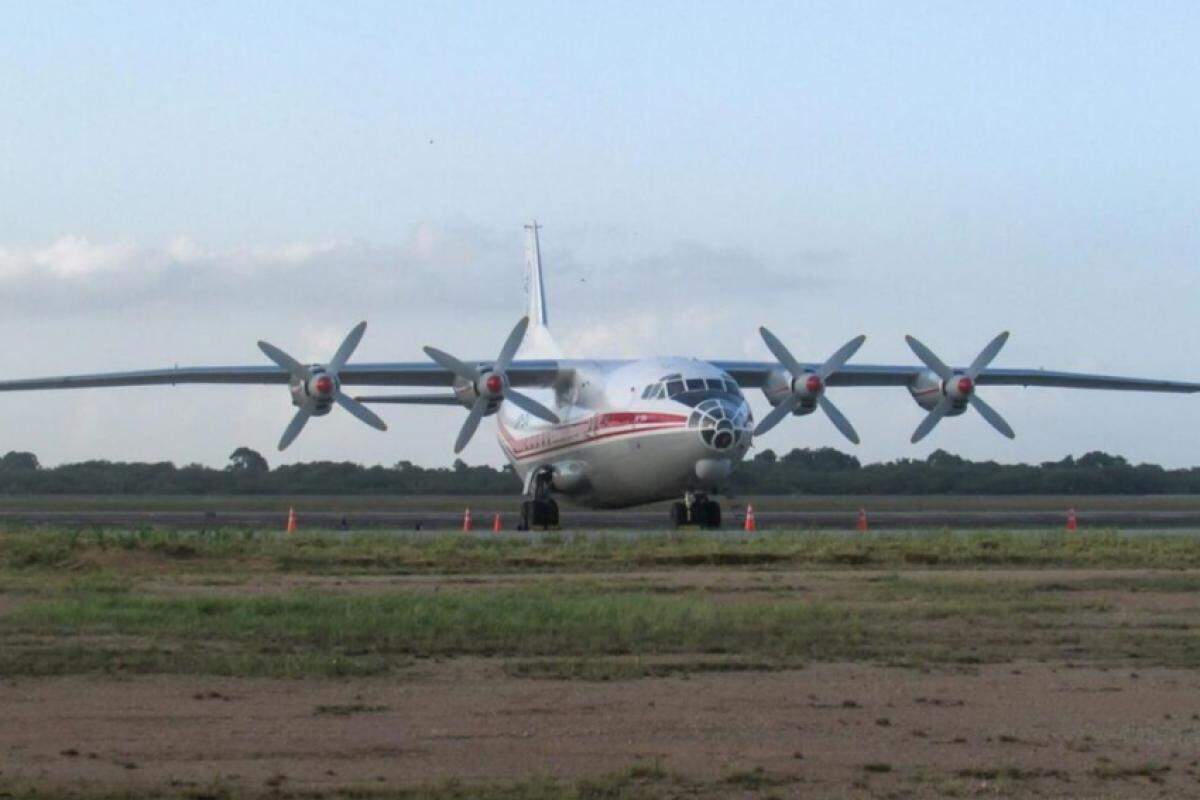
<point>74,273</point>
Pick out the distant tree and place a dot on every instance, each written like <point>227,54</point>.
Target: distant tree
<point>766,458</point>
<point>18,461</point>
<point>1098,460</point>
<point>940,458</point>
<point>824,459</point>
<point>248,462</point>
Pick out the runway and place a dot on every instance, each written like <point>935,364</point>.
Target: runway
<point>583,520</point>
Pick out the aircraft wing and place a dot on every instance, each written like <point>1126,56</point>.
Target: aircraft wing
<point>520,373</point>
<point>754,374</point>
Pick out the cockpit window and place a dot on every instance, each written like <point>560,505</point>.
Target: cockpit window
<point>695,384</point>
<point>715,383</point>
<point>655,391</point>
<point>674,387</point>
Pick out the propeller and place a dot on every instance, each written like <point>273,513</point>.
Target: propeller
<point>491,385</point>
<point>315,387</point>
<point>808,385</point>
<point>958,387</point>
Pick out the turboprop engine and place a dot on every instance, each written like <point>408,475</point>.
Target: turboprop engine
<point>315,387</point>
<point>467,392</point>
<point>794,389</point>
<point>487,387</point>
<point>946,392</point>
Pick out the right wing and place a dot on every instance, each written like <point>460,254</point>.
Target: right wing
<point>520,373</point>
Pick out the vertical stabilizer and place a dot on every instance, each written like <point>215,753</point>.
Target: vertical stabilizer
<point>538,342</point>
<point>533,276</point>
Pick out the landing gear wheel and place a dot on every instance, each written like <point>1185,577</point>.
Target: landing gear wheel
<point>539,514</point>
<point>701,512</point>
<point>710,515</point>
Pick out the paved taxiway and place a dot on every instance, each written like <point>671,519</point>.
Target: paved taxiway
<point>584,520</point>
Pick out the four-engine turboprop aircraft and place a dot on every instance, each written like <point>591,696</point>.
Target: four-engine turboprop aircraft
<point>614,433</point>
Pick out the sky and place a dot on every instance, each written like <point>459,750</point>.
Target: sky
<point>179,180</point>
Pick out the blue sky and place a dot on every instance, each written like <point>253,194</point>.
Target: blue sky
<point>183,179</point>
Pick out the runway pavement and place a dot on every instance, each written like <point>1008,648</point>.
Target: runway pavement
<point>585,520</point>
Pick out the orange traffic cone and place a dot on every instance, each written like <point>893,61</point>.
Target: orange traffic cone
<point>496,526</point>
<point>467,521</point>
<point>862,521</point>
<point>751,525</point>
<point>1072,520</point>
<point>291,521</point>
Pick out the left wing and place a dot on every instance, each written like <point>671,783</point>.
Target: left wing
<point>754,374</point>
<point>793,387</point>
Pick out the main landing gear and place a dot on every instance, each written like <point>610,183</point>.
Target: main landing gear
<point>541,511</point>
<point>696,509</point>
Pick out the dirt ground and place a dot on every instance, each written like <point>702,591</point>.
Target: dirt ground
<point>844,728</point>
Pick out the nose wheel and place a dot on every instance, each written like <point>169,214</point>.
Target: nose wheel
<point>696,510</point>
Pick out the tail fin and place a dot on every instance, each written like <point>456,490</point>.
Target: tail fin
<point>538,341</point>
<point>533,276</point>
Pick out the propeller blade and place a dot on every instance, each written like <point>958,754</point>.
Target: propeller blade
<point>281,358</point>
<point>359,410</point>
<point>992,416</point>
<point>527,403</point>
<point>464,371</point>
<point>839,359</point>
<point>781,353</point>
<point>294,427</point>
<point>472,423</point>
<point>777,413</point>
<point>347,348</point>
<point>931,419</point>
<point>929,359</point>
<point>838,418</point>
<point>985,357</point>
<point>511,345</point>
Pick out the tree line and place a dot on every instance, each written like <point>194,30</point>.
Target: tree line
<point>802,471</point>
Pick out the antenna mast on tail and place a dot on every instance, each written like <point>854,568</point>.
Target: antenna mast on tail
<point>533,276</point>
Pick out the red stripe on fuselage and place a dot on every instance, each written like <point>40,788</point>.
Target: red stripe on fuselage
<point>594,428</point>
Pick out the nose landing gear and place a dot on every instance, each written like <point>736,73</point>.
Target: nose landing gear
<point>696,509</point>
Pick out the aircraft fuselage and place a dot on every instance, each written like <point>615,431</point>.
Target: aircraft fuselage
<point>632,433</point>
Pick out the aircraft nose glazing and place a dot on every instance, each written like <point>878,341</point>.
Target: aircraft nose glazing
<point>723,422</point>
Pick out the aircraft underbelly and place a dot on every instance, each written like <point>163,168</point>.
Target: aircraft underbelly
<point>625,470</point>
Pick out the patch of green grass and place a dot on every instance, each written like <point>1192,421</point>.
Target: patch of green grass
<point>757,778</point>
<point>617,669</point>
<point>1153,771</point>
<point>347,710</point>
<point>535,621</point>
<point>221,551</point>
<point>639,782</point>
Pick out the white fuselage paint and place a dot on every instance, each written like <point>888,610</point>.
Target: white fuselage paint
<point>613,448</point>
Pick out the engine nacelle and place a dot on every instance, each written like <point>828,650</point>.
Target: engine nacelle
<point>927,389</point>
<point>315,392</point>
<point>467,393</point>
<point>778,387</point>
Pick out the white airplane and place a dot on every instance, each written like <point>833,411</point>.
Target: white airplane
<point>608,433</point>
